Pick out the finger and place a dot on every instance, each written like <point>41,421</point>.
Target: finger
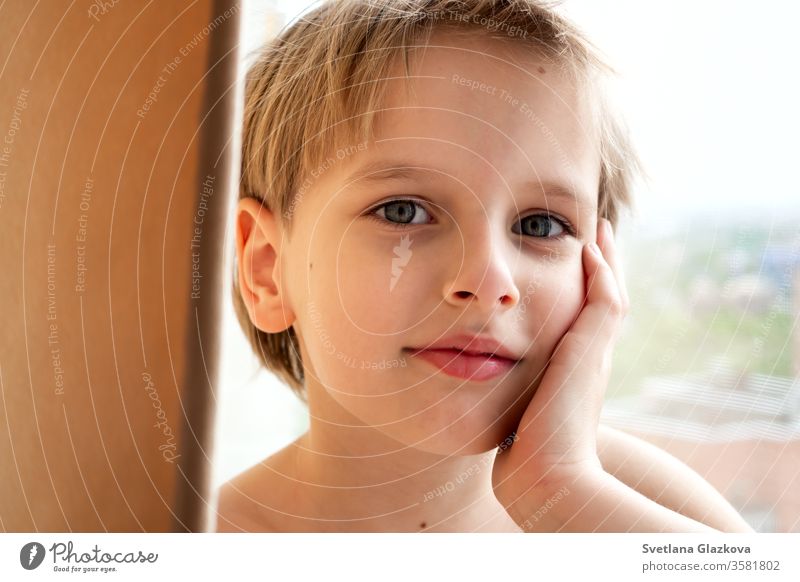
<point>608,245</point>
<point>590,338</point>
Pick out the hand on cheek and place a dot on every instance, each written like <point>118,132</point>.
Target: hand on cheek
<point>556,437</point>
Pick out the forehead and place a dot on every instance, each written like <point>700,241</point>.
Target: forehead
<point>486,112</point>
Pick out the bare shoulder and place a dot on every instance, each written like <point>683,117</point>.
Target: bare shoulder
<point>622,452</point>
<point>237,511</point>
<point>615,447</point>
<point>252,501</point>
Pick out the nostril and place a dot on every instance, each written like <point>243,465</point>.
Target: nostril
<point>463,294</point>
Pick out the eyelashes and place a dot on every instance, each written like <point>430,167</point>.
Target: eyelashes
<point>543,228</point>
<point>402,213</point>
<point>398,208</point>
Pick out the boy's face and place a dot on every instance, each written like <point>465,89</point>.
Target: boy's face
<point>493,247</point>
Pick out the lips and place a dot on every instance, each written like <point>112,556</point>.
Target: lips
<point>469,357</point>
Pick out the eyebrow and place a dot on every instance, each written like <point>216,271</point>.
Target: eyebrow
<point>381,170</point>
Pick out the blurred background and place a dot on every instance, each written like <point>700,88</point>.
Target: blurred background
<point>708,364</point>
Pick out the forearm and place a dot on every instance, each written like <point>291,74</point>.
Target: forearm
<point>666,480</point>
<point>596,502</point>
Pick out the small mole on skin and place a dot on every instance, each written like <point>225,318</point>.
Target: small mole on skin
<point>422,524</point>
<point>541,70</point>
<point>310,265</point>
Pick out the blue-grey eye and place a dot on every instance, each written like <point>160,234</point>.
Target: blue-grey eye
<point>539,225</point>
<point>403,212</point>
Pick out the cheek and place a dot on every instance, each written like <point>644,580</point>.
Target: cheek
<point>350,316</point>
<point>549,302</point>
<point>380,287</point>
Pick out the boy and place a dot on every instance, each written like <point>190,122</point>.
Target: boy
<point>425,254</point>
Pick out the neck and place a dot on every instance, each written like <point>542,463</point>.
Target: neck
<point>362,480</point>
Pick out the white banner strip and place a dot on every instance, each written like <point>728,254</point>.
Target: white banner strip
<point>382,557</point>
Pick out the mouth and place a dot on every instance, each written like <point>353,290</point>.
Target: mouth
<point>465,364</point>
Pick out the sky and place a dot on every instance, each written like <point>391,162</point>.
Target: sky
<point>711,97</point>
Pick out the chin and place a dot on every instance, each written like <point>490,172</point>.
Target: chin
<point>465,436</point>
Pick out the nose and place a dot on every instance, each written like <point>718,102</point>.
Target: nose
<point>483,276</point>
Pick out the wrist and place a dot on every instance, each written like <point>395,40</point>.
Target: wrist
<point>553,500</point>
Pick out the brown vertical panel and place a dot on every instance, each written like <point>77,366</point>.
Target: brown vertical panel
<point>214,199</point>
<point>102,105</point>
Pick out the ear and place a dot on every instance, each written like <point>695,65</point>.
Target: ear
<point>258,245</point>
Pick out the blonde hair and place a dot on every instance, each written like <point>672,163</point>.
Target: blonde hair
<point>319,82</point>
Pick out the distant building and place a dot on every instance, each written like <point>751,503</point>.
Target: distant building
<point>779,263</point>
<point>704,294</point>
<point>749,293</point>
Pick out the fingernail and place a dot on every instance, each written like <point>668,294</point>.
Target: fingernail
<point>594,248</point>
